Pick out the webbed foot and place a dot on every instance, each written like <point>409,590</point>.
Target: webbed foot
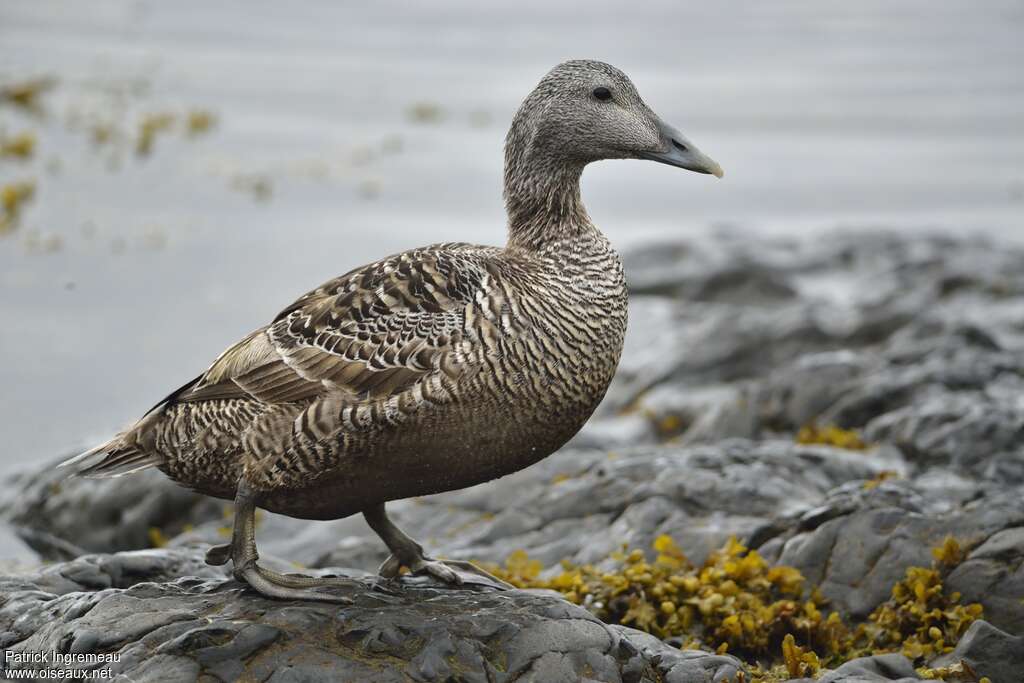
<point>242,553</point>
<point>455,572</point>
<point>290,586</point>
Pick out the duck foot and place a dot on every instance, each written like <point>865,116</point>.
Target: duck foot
<point>242,553</point>
<point>291,586</point>
<point>405,552</point>
<point>455,572</point>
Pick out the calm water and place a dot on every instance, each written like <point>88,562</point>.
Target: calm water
<point>379,128</point>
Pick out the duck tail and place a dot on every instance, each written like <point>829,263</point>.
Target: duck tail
<point>111,460</point>
<point>131,450</point>
<point>124,454</point>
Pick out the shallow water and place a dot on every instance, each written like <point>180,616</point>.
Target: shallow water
<point>127,276</point>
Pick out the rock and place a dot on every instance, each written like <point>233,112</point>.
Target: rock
<point>857,556</point>
<point>681,666</point>
<point>993,574</point>
<point>194,626</point>
<point>990,652</point>
<point>46,509</point>
<point>615,432</point>
<point>123,570</point>
<point>962,430</point>
<point>877,669</point>
<point>878,325</point>
<point>789,398</point>
<point>749,283</point>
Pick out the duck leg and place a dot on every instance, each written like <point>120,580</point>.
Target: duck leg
<point>242,553</point>
<point>405,552</point>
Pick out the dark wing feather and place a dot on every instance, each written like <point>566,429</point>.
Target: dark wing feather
<point>369,333</point>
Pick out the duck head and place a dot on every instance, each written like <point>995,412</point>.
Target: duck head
<point>584,111</point>
<point>581,111</point>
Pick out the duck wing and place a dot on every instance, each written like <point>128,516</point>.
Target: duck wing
<point>369,333</point>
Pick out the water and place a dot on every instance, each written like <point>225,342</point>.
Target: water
<point>127,276</point>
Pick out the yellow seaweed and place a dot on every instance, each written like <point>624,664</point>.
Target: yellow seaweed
<point>831,435</point>
<point>736,602</point>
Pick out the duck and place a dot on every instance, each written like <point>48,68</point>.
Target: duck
<point>431,370</point>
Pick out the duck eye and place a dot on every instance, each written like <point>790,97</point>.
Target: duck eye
<point>603,94</point>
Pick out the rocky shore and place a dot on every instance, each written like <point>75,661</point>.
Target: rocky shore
<point>848,407</point>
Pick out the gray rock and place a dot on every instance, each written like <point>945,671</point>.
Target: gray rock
<point>878,323</point>
<point>681,666</point>
<point>964,430</point>
<point>856,557</point>
<point>46,509</point>
<point>993,575</point>
<point>878,669</point>
<point>990,652</point>
<point>184,629</point>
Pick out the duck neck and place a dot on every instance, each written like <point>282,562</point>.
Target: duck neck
<point>542,199</point>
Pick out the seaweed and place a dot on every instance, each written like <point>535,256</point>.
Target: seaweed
<point>961,671</point>
<point>12,197</point>
<point>150,126</point>
<point>425,112</point>
<point>766,615</point>
<point>26,94</point>
<point>157,538</point>
<point>21,146</point>
<point>831,435</point>
<point>199,122</point>
<point>884,475</point>
<point>919,619</point>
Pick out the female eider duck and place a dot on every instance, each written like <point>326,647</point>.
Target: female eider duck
<point>427,371</point>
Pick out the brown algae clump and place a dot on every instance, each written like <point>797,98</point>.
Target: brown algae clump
<point>102,133</point>
<point>737,603</point>
<point>12,197</point>
<point>798,663</point>
<point>949,553</point>
<point>831,435</point>
<point>199,121</point>
<point>26,94</point>
<point>425,112</point>
<point>157,538</point>
<point>919,619</point>
<point>884,475</point>
<point>20,147</point>
<point>961,671</point>
<point>150,126</point>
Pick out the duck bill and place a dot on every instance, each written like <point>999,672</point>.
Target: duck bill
<point>677,151</point>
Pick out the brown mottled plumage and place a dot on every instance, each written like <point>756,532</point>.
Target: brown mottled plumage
<point>430,370</point>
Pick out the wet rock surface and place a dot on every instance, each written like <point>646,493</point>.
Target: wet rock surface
<point>891,667</point>
<point>986,648</point>
<point>48,510</point>
<point>172,620</point>
<point>735,345</point>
